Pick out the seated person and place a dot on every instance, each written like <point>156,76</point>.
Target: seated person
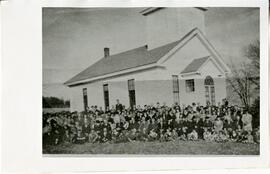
<point>143,136</point>
<point>80,138</point>
<point>183,133</point>
<point>257,135</point>
<point>152,135</point>
<point>132,136</point>
<point>240,133</point>
<point>168,135</point>
<point>66,137</point>
<point>115,136</point>
<point>174,135</point>
<point>105,136</point>
<point>207,135</point>
<point>122,138</point>
<point>223,136</point>
<point>193,135</point>
<point>248,138</point>
<point>161,136</point>
<point>234,136</point>
<point>218,124</point>
<point>93,137</point>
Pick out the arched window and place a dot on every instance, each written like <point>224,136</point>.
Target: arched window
<point>208,81</point>
<point>209,90</point>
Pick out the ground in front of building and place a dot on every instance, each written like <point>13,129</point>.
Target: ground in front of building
<point>157,148</point>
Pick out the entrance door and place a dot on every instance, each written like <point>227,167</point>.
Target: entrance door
<point>209,90</point>
<point>85,101</point>
<point>132,98</point>
<point>131,93</point>
<point>106,96</point>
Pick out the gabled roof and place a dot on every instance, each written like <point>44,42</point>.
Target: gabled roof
<point>122,61</point>
<point>195,65</point>
<point>139,59</point>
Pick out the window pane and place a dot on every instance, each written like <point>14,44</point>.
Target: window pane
<point>175,83</point>
<point>131,85</point>
<point>213,94</point>
<point>208,81</point>
<point>176,97</point>
<point>207,94</point>
<point>105,87</point>
<point>190,85</point>
<point>84,91</point>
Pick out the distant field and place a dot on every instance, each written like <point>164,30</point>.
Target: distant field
<point>177,148</point>
<point>53,110</point>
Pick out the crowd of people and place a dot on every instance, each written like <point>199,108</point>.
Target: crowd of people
<point>156,122</point>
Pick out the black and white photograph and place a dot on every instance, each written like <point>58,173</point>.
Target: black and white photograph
<point>151,81</point>
<point>134,86</point>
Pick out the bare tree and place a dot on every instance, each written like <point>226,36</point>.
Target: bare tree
<point>243,76</point>
<point>253,54</point>
<point>239,81</point>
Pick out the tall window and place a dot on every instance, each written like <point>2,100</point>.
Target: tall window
<point>85,101</point>
<point>131,93</point>
<point>209,90</point>
<point>190,85</point>
<point>175,89</point>
<point>106,96</point>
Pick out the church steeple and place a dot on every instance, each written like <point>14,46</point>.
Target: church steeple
<point>165,25</point>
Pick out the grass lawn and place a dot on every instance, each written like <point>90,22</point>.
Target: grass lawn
<point>154,148</point>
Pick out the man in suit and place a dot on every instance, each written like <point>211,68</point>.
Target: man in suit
<point>118,106</point>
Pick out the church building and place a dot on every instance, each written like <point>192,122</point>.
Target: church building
<point>178,65</point>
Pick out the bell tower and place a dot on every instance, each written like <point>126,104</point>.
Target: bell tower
<point>165,25</point>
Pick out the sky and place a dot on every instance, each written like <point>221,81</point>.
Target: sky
<point>74,38</point>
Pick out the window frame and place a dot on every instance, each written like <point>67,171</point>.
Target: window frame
<point>210,95</point>
<point>176,90</point>
<point>188,82</point>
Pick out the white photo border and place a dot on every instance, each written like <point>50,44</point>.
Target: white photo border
<point>22,94</point>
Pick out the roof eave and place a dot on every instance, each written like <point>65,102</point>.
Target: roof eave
<point>150,10</point>
<point>140,68</point>
<point>184,74</point>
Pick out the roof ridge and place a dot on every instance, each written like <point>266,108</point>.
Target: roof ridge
<point>126,60</point>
